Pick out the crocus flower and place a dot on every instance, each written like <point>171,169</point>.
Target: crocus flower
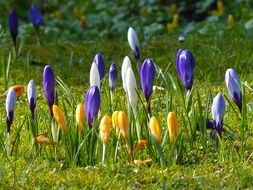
<point>123,125</point>
<point>112,76</point>
<point>134,43</point>
<point>94,76</point>
<point>98,60</point>
<point>155,129</point>
<point>10,108</point>
<point>35,16</point>
<point>92,104</point>
<point>79,116</point>
<point>31,96</point>
<point>147,75</point>
<point>59,117</point>
<point>234,87</point>
<point>172,126</point>
<point>48,84</point>
<point>218,109</point>
<point>105,129</point>
<point>13,25</point>
<point>115,122</point>
<point>131,89</point>
<point>126,63</point>
<point>185,67</point>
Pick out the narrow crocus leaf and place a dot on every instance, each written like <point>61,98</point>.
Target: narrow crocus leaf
<point>126,63</point>
<point>98,60</point>
<point>79,116</point>
<point>35,16</point>
<point>13,25</point>
<point>113,76</point>
<point>59,117</point>
<point>147,76</point>
<point>92,104</point>
<point>218,109</point>
<point>134,43</point>
<point>131,88</point>
<point>123,124</point>
<point>31,96</point>
<point>172,126</point>
<point>155,128</point>
<point>234,87</point>
<point>185,67</point>
<point>105,129</point>
<point>49,86</point>
<point>94,76</point>
<point>10,108</point>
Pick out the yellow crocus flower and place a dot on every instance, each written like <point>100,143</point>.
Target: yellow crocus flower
<point>172,126</point>
<point>230,20</point>
<point>123,124</point>
<point>105,129</point>
<point>58,115</point>
<point>155,128</point>
<point>79,116</point>
<point>115,122</point>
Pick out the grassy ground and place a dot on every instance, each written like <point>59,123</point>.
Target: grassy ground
<point>200,168</point>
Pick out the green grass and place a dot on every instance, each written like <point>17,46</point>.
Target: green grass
<point>200,165</point>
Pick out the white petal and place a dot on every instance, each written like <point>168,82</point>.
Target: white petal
<point>94,76</point>
<point>131,88</point>
<point>132,39</point>
<point>10,100</point>
<point>126,63</point>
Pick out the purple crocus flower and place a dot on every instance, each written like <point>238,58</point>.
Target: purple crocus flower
<point>147,75</point>
<point>48,84</point>
<point>92,104</point>
<point>31,96</point>
<point>185,67</point>
<point>234,87</point>
<point>218,109</point>
<point>10,107</point>
<point>113,76</point>
<point>98,60</point>
<point>35,16</point>
<point>13,25</point>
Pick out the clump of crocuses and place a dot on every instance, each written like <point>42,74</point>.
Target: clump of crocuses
<point>185,64</point>
<point>147,76</point>
<point>49,86</point>
<point>92,104</point>
<point>234,87</point>
<point>218,110</point>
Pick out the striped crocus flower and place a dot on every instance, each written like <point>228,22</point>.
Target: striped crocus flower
<point>113,76</point>
<point>234,87</point>
<point>10,108</point>
<point>218,109</point>
<point>98,60</point>
<point>134,43</point>
<point>185,67</point>
<point>13,25</point>
<point>36,16</point>
<point>49,86</point>
<point>31,96</point>
<point>92,104</point>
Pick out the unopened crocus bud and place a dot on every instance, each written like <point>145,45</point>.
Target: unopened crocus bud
<point>230,20</point>
<point>105,129</point>
<point>94,76</point>
<point>185,67</point>
<point>31,96</point>
<point>172,126</point>
<point>49,85</point>
<point>115,122</point>
<point>147,76</point>
<point>112,77</point>
<point>79,116</point>
<point>13,25</point>
<point>123,125</point>
<point>234,87</point>
<point>126,63</point>
<point>92,104</point>
<point>10,108</point>
<point>134,43</point>
<point>155,128</point>
<point>36,16</point>
<point>59,117</point>
<point>131,89</point>
<point>218,109</point>
<point>98,60</point>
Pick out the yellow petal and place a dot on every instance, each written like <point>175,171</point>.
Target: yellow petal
<point>58,115</point>
<point>105,129</point>
<point>123,124</point>
<point>79,116</point>
<point>115,122</point>
<point>155,128</point>
<point>173,127</point>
